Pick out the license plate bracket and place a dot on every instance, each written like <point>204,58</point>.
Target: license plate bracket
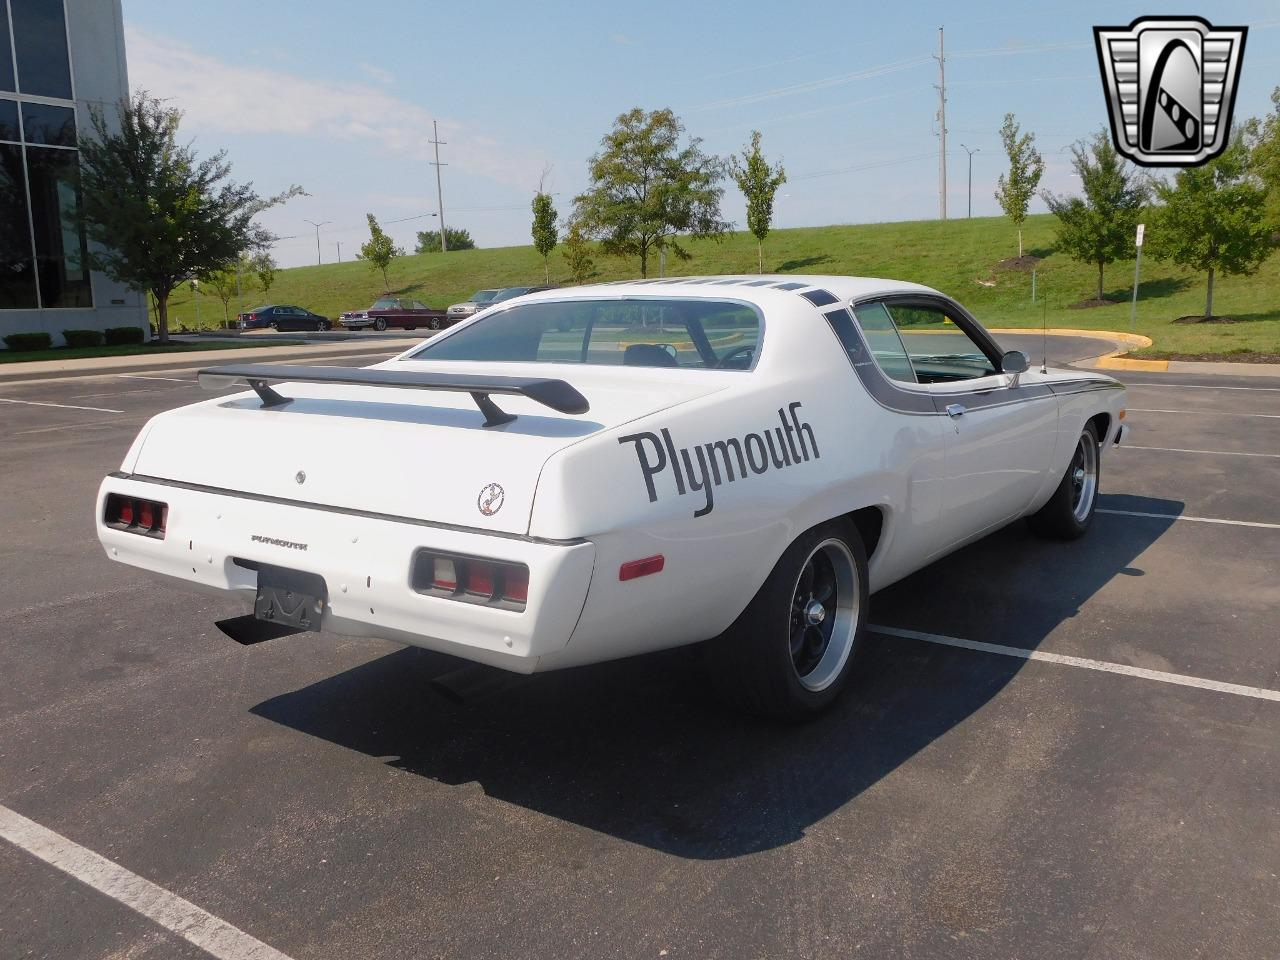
<point>293,598</point>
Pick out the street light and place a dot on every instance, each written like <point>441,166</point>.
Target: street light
<point>322,223</point>
<point>971,153</point>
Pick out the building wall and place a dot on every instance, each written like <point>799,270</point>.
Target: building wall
<point>99,79</point>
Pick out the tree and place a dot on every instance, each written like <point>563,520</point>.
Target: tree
<point>1099,228</point>
<point>646,188</point>
<point>222,281</point>
<point>158,214</point>
<point>1266,159</point>
<point>429,240</point>
<point>379,250</point>
<point>758,183</point>
<point>577,254</point>
<point>264,269</point>
<point>1214,216</point>
<point>1026,167</point>
<point>544,227</point>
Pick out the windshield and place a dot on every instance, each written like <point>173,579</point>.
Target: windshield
<point>508,293</point>
<point>711,334</point>
<point>383,304</point>
<point>483,296</point>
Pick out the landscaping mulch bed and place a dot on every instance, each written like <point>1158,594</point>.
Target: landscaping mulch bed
<point>1025,262</point>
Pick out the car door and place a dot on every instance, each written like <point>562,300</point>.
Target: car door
<point>1002,431</point>
<point>285,318</point>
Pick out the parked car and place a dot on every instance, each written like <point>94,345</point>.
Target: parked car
<point>456,315</point>
<point>744,474</point>
<point>393,312</point>
<point>282,317</point>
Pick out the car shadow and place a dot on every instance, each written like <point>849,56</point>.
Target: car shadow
<point>638,750</point>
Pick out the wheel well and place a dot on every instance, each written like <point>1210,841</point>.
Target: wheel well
<point>870,523</point>
<point>1102,426</point>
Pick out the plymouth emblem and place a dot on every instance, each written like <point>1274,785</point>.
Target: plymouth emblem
<point>490,499</point>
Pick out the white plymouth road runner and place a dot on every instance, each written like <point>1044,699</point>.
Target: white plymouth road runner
<point>581,475</point>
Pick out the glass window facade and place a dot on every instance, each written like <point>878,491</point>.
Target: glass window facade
<point>44,258</point>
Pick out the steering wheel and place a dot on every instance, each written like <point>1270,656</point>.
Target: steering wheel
<point>730,362</point>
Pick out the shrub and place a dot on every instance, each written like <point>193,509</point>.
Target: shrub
<point>28,341</point>
<point>120,335</point>
<point>82,338</point>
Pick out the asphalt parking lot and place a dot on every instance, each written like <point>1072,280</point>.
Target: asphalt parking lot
<point>1101,781</point>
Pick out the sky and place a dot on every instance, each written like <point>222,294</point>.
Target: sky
<point>340,98</point>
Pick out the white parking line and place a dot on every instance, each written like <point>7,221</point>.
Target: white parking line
<point>1195,386</point>
<point>1216,453</point>
<point>64,406</point>
<point>1178,516</point>
<point>212,935</point>
<point>138,376</point>
<point>1209,413</point>
<point>1258,693</point>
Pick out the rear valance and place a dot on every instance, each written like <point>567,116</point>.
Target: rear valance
<point>555,394</point>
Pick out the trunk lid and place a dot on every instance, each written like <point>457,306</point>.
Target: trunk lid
<point>402,452</point>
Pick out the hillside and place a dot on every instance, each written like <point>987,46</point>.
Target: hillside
<point>951,256</point>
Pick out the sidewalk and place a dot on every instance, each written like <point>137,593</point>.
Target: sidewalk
<point>102,366</point>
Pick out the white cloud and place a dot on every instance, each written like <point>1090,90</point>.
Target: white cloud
<point>377,73</point>
<point>622,40</point>
<point>220,97</point>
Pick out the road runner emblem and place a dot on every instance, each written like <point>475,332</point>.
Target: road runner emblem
<point>491,499</point>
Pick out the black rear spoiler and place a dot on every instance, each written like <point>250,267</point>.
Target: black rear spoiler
<point>555,394</point>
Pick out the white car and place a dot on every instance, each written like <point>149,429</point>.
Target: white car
<point>593,473</point>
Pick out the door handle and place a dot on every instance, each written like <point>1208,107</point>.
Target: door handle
<point>955,410</point>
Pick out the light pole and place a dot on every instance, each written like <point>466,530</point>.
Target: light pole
<point>322,223</point>
<point>971,153</point>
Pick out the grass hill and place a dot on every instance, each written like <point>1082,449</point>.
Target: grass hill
<point>958,257</point>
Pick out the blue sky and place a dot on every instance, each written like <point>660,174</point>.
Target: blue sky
<point>339,98</point>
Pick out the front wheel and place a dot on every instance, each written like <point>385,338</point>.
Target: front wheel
<point>791,650</point>
<point>1069,512</point>
<point>380,324</point>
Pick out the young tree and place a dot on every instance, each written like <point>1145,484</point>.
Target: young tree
<point>577,254</point>
<point>221,281</point>
<point>544,227</point>
<point>158,214</point>
<point>264,270</point>
<point>646,188</point>
<point>1099,227</point>
<point>379,250</point>
<point>429,240</point>
<point>1214,217</point>
<point>758,182</point>
<point>1266,160</point>
<point>1026,167</point>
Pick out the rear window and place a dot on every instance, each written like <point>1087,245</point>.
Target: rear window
<point>711,334</point>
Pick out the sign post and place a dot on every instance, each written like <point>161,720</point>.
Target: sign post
<point>1137,267</point>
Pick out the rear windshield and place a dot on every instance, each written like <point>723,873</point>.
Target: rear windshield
<point>712,334</point>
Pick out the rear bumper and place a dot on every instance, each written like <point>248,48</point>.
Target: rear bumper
<point>366,564</point>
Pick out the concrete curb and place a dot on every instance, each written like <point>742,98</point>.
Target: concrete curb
<point>103,366</point>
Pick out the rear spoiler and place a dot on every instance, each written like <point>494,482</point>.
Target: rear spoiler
<point>555,394</point>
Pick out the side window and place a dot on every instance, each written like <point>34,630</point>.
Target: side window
<point>885,343</point>
<point>940,351</point>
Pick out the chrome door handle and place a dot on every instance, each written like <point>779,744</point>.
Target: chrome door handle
<point>955,410</point>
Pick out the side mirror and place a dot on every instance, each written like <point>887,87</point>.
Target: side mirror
<point>1015,362</point>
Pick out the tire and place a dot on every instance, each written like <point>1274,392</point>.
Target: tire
<point>323,325</point>
<point>783,658</point>
<point>380,324</point>
<point>433,324</point>
<point>1069,512</point>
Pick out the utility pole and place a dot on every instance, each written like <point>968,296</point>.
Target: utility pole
<point>941,86</point>
<point>435,139</point>
<point>339,251</point>
<point>322,223</point>
<point>971,153</point>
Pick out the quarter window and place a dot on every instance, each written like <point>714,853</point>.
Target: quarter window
<point>885,342</point>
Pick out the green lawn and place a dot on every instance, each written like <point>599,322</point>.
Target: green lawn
<point>951,256</point>
<point>130,350</point>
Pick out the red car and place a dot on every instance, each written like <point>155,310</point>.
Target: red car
<point>393,312</point>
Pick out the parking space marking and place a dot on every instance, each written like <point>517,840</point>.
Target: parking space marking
<point>1208,413</point>
<point>199,927</point>
<point>137,376</point>
<point>1216,453</point>
<point>1195,386</point>
<point>1105,666</point>
<point>1177,516</point>
<point>64,406</point>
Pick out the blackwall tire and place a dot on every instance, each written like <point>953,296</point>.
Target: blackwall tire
<point>1069,512</point>
<point>790,652</point>
<point>380,324</point>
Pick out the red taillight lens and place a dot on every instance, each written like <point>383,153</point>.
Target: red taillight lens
<point>480,577</point>
<point>641,568</point>
<point>147,517</point>
<point>515,584</point>
<point>444,576</point>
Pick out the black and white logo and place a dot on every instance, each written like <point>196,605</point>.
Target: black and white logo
<point>1171,86</point>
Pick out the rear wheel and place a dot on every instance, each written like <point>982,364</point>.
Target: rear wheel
<point>791,650</point>
<point>1069,512</point>
<point>324,325</point>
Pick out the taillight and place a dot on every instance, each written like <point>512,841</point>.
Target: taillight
<point>471,579</point>
<point>134,515</point>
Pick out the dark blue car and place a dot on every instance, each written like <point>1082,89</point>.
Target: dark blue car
<point>282,317</point>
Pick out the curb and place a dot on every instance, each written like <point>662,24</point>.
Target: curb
<point>1124,342</point>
